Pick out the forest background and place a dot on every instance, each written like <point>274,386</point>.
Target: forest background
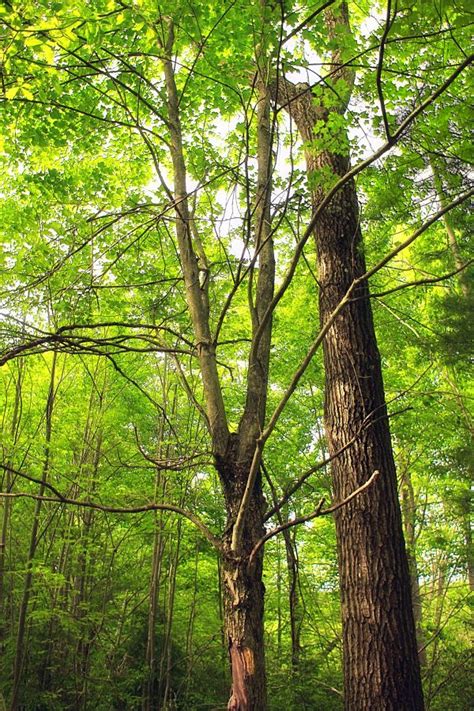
<point>159,298</point>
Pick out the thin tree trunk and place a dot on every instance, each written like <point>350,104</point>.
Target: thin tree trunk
<point>440,586</point>
<point>294,600</point>
<point>279,610</point>
<point>84,584</point>
<point>150,689</point>
<point>166,688</point>
<point>192,615</point>
<point>6,504</point>
<point>19,650</point>
<point>58,600</point>
<point>221,619</point>
<point>409,508</point>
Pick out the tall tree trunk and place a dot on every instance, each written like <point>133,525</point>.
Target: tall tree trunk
<point>7,482</point>
<point>381,668</point>
<point>22,619</point>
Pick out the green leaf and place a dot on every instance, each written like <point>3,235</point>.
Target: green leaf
<point>12,92</point>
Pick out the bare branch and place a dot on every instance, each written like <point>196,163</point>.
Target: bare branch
<point>59,498</point>
<point>318,511</point>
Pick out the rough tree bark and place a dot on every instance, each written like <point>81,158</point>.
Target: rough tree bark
<point>381,669</point>
<point>243,588</point>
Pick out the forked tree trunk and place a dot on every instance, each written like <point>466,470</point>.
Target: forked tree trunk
<point>237,457</point>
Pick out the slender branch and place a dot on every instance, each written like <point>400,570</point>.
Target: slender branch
<point>406,243</point>
<point>117,81</point>
<point>59,498</point>
<point>388,25</point>
<point>177,464</point>
<point>395,137</point>
<point>369,421</point>
<point>306,21</point>
<point>191,394</point>
<point>318,511</point>
<point>422,282</point>
<point>285,526</point>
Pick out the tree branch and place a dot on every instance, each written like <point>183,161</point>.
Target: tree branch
<point>306,21</point>
<point>318,511</point>
<point>395,137</point>
<point>260,443</point>
<point>59,498</point>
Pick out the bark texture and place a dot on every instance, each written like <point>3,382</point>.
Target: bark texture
<point>380,651</point>
<point>381,668</point>
<point>243,591</point>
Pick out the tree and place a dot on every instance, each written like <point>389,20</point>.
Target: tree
<point>380,649</point>
<point>152,87</point>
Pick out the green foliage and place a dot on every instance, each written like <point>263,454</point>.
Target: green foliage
<point>89,269</point>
